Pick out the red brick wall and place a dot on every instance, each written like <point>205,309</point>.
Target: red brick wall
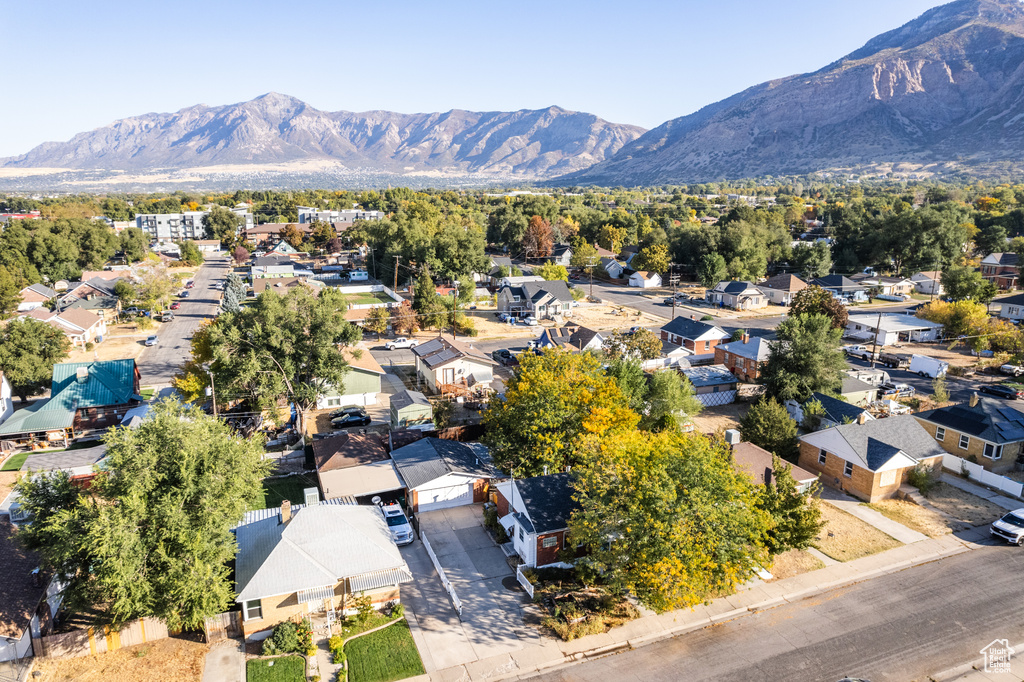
<point>501,503</point>
<point>549,555</point>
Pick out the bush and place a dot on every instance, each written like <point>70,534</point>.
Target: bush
<point>284,640</point>
<point>707,318</point>
<point>577,293</point>
<point>144,324</point>
<point>304,634</point>
<point>491,524</point>
<point>364,608</point>
<point>89,345</point>
<point>924,478</point>
<point>397,611</point>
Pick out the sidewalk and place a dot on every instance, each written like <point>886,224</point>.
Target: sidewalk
<point>853,507</point>
<point>550,653</point>
<point>1007,503</point>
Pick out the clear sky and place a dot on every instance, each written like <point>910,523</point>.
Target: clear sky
<point>71,66</point>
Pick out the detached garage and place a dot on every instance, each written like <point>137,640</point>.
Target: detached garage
<point>439,474</point>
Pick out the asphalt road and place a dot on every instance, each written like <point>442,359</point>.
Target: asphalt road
<point>899,627</point>
<point>960,390</point>
<point>159,363</point>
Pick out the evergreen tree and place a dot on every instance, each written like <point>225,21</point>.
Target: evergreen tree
<point>795,517</point>
<point>768,425</point>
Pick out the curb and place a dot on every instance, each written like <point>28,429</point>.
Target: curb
<point>960,670</point>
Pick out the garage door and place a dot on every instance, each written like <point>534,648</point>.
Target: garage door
<point>443,498</point>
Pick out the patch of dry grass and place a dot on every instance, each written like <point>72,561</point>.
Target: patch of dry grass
<point>721,418</point>
<point>167,660</point>
<point>913,516</point>
<point>845,537</point>
<point>963,506</point>
<point>794,562</point>
<point>7,481</point>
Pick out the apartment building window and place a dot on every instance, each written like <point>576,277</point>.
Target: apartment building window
<point>822,456</point>
<point>964,442</point>
<point>940,433</point>
<point>848,469</point>
<point>993,451</point>
<point>252,610</point>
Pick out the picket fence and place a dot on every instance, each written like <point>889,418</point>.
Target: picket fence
<point>456,602</point>
<point>527,585</point>
<point>978,473</point>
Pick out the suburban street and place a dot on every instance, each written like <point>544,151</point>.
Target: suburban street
<point>159,363</point>
<point>900,627</point>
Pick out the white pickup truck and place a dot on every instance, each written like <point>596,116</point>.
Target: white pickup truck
<point>401,342</point>
<point>1012,370</point>
<point>862,352</point>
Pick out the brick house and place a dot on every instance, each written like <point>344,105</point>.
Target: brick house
<point>744,358</point>
<point>1001,269</point>
<point>869,460</point>
<point>988,430</point>
<point>304,559</point>
<point>737,295</point>
<point>699,337</point>
<point>535,513</point>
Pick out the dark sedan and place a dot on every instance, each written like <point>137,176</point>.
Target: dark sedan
<point>1001,391</point>
<point>359,418</point>
<point>505,357</point>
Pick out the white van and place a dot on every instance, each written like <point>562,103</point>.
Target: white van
<point>927,367</point>
<point>358,276</point>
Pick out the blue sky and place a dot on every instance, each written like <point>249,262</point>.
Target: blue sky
<point>73,66</point>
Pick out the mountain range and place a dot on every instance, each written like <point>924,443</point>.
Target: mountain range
<point>943,93</point>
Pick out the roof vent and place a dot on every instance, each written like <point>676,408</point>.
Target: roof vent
<point>82,374</point>
<point>732,437</point>
<point>973,402</point>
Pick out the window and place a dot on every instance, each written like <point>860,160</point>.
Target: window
<point>964,442</point>
<point>252,610</point>
<point>707,345</point>
<point>549,542</point>
<point>848,469</point>
<point>822,456</point>
<point>993,451</point>
<point>940,433</point>
<point>522,536</point>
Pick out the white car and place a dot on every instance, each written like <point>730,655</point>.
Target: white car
<point>401,342</point>
<point>530,320</point>
<point>399,526</point>
<point>1013,370</point>
<point>1010,527</point>
<point>152,341</point>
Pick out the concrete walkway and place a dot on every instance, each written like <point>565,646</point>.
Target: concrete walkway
<point>854,507</point>
<point>225,662</point>
<point>992,496</point>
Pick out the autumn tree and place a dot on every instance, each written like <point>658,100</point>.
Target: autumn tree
<point>664,517</point>
<point>584,256</point>
<point>537,240</point>
<point>653,258</point>
<point>814,300</point>
<point>293,235</point>
<point>551,272</point>
<point>612,238</point>
<point>151,535</point>
<point>403,319</point>
<point>376,321</point>
<point>768,425</point>
<point>240,255</point>
<point>551,400</point>
<point>29,349</point>
<point>643,344</point>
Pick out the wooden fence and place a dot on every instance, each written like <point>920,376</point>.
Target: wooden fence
<point>223,626</point>
<point>81,642</point>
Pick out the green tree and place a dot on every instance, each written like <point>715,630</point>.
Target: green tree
<point>653,258</point>
<point>812,260</point>
<point>230,303</point>
<point>552,271</point>
<point>664,517</point>
<point>97,244</point>
<point>54,255</point>
<point>712,269</point>
<point>670,401</point>
<point>631,381</point>
<point>962,283</point>
<point>427,304</point>
<point>10,293</point>
<point>28,351</point>
<point>805,359</point>
<point>813,412</point>
<point>125,292</point>
<point>551,400</point>
<point>584,256</point>
<point>795,517</point>
<point>814,300</point>
<point>940,394</point>
<point>152,535</point>
<point>768,425</point>
<point>643,344</point>
<point>376,321</point>
<point>133,244</point>
<point>190,253</point>
<point>223,224</point>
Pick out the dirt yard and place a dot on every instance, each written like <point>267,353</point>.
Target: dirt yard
<point>794,562</point>
<point>914,516</point>
<point>167,660</point>
<point>959,357</point>
<point>845,537</point>
<point>963,506</point>
<point>7,481</point>
<point>597,317</point>
<point>720,419</point>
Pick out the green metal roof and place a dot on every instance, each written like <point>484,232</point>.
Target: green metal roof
<point>111,382</point>
<point>37,417</point>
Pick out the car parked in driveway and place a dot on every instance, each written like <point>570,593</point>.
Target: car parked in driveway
<point>401,342</point>
<point>358,418</point>
<point>131,311</point>
<point>1010,527</point>
<point>858,351</point>
<point>505,357</point>
<point>341,411</point>
<point>894,391</point>
<point>1012,370</point>
<point>1001,391</point>
<point>401,530</point>
<point>152,341</point>
<point>530,320</point>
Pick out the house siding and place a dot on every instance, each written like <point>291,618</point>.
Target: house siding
<point>745,368</point>
<point>359,388</point>
<point>975,448</point>
<point>286,607</point>
<point>864,484</point>
<point>549,555</point>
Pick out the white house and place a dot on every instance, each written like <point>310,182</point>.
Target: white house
<point>445,362</point>
<point>738,295</point>
<point>781,289</point>
<point>1011,308</point>
<point>535,513</point>
<point>645,280</point>
<point>6,398</point>
<point>208,245</point>
<point>439,474</point>
<point>561,254</point>
<point>893,328</point>
<point>672,355</point>
<point>929,282</point>
<point>613,267</point>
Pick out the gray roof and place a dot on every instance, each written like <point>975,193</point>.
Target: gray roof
<point>873,443</point>
<point>555,288</point>
<point>1004,258</point>
<point>42,290</point>
<point>692,329</point>
<point>711,375</point>
<point>734,287</point>
<point>321,545</point>
<point>855,385</point>
<point>837,282</point>
<point>441,351</point>
<point>548,500</point>
<point>407,398</point>
<point>501,261</point>
<point>431,458</point>
<point>756,348</point>
<point>837,410</point>
<point>1011,300</point>
<point>572,336</point>
<point>66,459</point>
<point>990,420</point>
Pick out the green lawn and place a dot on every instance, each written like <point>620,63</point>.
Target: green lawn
<point>368,298</point>
<point>14,462</point>
<point>277,490</point>
<point>147,393</point>
<point>283,669</point>
<point>384,656</point>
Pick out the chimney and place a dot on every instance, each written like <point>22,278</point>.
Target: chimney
<point>862,418</point>
<point>973,402</point>
<point>732,437</point>
<point>286,512</point>
<point>82,375</point>
<point>691,316</point>
<point>746,336</point>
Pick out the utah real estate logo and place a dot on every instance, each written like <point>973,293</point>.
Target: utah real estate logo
<point>997,656</point>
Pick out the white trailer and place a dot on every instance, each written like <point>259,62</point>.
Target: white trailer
<point>927,367</point>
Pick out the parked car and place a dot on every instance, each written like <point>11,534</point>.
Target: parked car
<point>401,530</point>
<point>530,320</point>
<point>1002,391</point>
<point>859,351</point>
<point>175,305</point>
<point>925,366</point>
<point>184,294</point>
<point>167,316</point>
<point>359,418</point>
<point>152,341</point>
<point>189,284</point>
<point>504,317</point>
<point>895,391</point>
<point>131,311</point>
<point>505,357</point>
<point>346,410</point>
<point>1012,370</point>
<point>1010,527</point>
<point>401,342</point>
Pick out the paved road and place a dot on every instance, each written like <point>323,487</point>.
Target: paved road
<point>899,627</point>
<point>959,389</point>
<point>159,363</point>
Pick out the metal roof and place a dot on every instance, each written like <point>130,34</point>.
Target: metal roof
<point>66,459</point>
<point>35,418</point>
<point>431,458</point>
<point>110,382</point>
<point>407,398</point>
<point>391,577</point>
<point>711,375</point>
<point>321,545</point>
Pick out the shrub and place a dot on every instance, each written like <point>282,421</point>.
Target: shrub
<point>336,642</point>
<point>577,293</point>
<point>924,478</point>
<point>707,318</point>
<point>491,524</point>
<point>304,635</point>
<point>285,638</point>
<point>364,609</point>
<point>144,324</point>
<point>338,656</point>
<point>397,611</point>
<point>268,648</point>
<point>89,345</point>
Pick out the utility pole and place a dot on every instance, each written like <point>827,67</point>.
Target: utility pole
<point>874,344</point>
<point>213,393</point>
<point>591,264</point>
<point>396,275</point>
<point>673,279</point>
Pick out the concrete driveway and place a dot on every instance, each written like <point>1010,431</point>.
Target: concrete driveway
<point>492,620</point>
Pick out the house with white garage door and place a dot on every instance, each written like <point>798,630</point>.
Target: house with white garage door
<point>439,474</point>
